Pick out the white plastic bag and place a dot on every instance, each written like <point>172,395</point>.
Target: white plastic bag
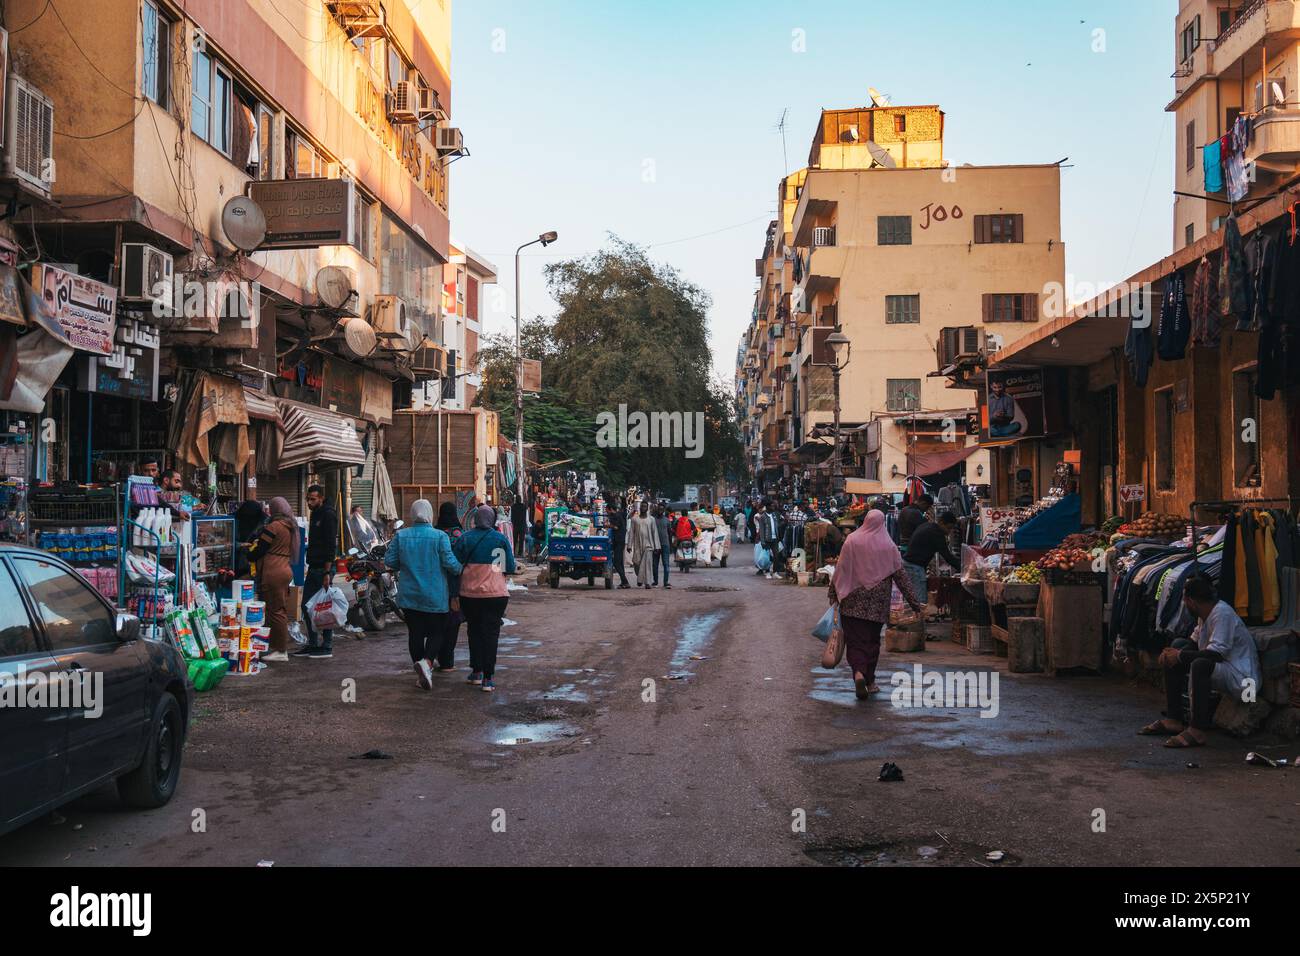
<point>328,608</point>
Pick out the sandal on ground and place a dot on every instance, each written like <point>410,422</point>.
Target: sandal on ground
<point>1183,741</point>
<point>1162,727</point>
<point>860,688</point>
<point>873,688</point>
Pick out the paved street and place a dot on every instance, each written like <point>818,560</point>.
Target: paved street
<point>711,772</point>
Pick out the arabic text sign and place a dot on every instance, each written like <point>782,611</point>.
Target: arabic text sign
<point>85,308</point>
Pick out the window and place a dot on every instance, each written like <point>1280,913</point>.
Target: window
<point>449,383</point>
<point>210,104</point>
<point>1225,20</point>
<point>363,225</point>
<point>894,230</point>
<point>1011,307</point>
<point>1165,411</point>
<point>1189,234</point>
<point>900,122</point>
<point>902,309</point>
<point>302,160</point>
<point>1190,39</point>
<point>1001,227</point>
<point>1191,145</point>
<point>155,59</point>
<point>903,394</point>
<point>252,135</point>
<point>16,635</point>
<point>398,71</point>
<point>72,613</point>
<point>1245,428</point>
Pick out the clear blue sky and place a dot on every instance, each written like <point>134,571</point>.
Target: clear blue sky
<point>656,121</point>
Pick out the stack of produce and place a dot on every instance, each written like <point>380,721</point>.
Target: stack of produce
<point>1026,574</point>
<point>1153,525</point>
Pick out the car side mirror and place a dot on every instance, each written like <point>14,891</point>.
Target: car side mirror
<point>128,627</point>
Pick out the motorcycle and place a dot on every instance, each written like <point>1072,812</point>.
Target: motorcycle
<point>375,585</point>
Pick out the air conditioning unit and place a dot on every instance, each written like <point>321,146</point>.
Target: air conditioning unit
<point>430,107</point>
<point>824,236</point>
<point>429,361</point>
<point>29,136</point>
<point>360,18</point>
<point>391,323</point>
<point>405,104</point>
<point>992,343</point>
<point>970,343</point>
<point>450,141</point>
<point>146,274</point>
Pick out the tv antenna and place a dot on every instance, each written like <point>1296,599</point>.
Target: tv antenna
<point>780,128</point>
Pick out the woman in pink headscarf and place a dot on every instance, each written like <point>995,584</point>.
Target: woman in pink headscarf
<point>862,585</point>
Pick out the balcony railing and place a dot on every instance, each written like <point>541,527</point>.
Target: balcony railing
<point>1236,24</point>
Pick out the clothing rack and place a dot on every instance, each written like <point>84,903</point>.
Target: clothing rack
<point>1234,504</point>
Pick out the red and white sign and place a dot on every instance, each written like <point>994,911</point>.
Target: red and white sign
<point>85,308</point>
<point>1131,493</point>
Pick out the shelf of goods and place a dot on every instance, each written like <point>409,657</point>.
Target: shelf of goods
<point>79,524</point>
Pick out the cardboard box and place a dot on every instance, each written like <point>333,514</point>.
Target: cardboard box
<point>295,603</point>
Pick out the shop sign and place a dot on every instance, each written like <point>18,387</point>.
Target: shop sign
<point>84,308</point>
<point>1013,407</point>
<point>341,387</point>
<point>131,369</point>
<point>1130,494</point>
<point>532,375</point>
<point>304,213</point>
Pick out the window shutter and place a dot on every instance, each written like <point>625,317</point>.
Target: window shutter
<point>988,307</point>
<point>1031,307</point>
<point>981,228</point>
<point>1019,227</point>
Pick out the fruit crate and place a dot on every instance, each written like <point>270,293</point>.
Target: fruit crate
<point>1085,578</point>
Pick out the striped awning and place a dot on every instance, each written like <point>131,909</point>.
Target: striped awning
<point>314,434</point>
<point>260,406</point>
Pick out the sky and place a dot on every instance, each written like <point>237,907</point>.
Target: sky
<point>657,122</point>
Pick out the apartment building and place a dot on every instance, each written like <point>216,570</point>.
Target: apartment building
<point>902,253</point>
<point>333,117</point>
<point>466,281</point>
<point>1233,60</point>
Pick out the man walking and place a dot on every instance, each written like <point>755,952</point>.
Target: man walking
<point>643,535</point>
<point>664,548</point>
<point>322,549</point>
<point>618,539</point>
<point>768,532</point>
<point>929,539</point>
<point>912,517</point>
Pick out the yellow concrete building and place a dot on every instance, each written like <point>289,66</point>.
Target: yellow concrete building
<point>907,257</point>
<point>1233,59</point>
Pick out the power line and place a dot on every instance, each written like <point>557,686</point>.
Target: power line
<point>94,66</point>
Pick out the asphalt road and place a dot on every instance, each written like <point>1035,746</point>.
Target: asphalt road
<point>690,726</point>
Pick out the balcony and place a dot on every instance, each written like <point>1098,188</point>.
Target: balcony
<point>1269,25</point>
<point>1276,144</point>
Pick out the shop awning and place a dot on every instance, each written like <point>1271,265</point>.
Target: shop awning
<point>261,407</point>
<point>924,464</point>
<point>314,434</point>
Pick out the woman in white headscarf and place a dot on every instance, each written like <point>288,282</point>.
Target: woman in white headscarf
<point>421,554</point>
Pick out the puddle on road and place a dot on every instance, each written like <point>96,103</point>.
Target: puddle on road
<point>707,589</point>
<point>924,851</point>
<point>564,692</point>
<point>513,735</point>
<point>694,637</point>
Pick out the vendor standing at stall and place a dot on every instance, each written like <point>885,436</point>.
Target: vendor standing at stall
<point>928,540</point>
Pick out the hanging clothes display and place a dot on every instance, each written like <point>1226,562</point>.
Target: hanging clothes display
<point>1212,158</point>
<point>1233,286</point>
<point>1175,324</point>
<point>1204,312</point>
<point>1139,349</point>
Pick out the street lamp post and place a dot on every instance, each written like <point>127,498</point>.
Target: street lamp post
<point>841,348</point>
<point>545,239</point>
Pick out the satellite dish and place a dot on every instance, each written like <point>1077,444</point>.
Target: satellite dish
<point>244,223</point>
<point>881,155</point>
<point>359,338</point>
<point>878,98</point>
<point>335,285</point>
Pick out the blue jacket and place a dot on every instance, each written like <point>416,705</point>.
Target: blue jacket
<point>422,555</point>
<point>481,545</point>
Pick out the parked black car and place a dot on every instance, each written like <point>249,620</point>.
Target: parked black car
<point>55,627</point>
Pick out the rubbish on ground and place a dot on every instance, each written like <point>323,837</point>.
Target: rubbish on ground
<point>506,622</point>
<point>266,863</point>
<point>511,586</point>
<point>890,772</point>
<point>995,856</point>
<point>1193,766</point>
<point>77,826</point>
<point>942,837</point>
<point>927,852</point>
<point>1259,760</point>
<point>372,755</point>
